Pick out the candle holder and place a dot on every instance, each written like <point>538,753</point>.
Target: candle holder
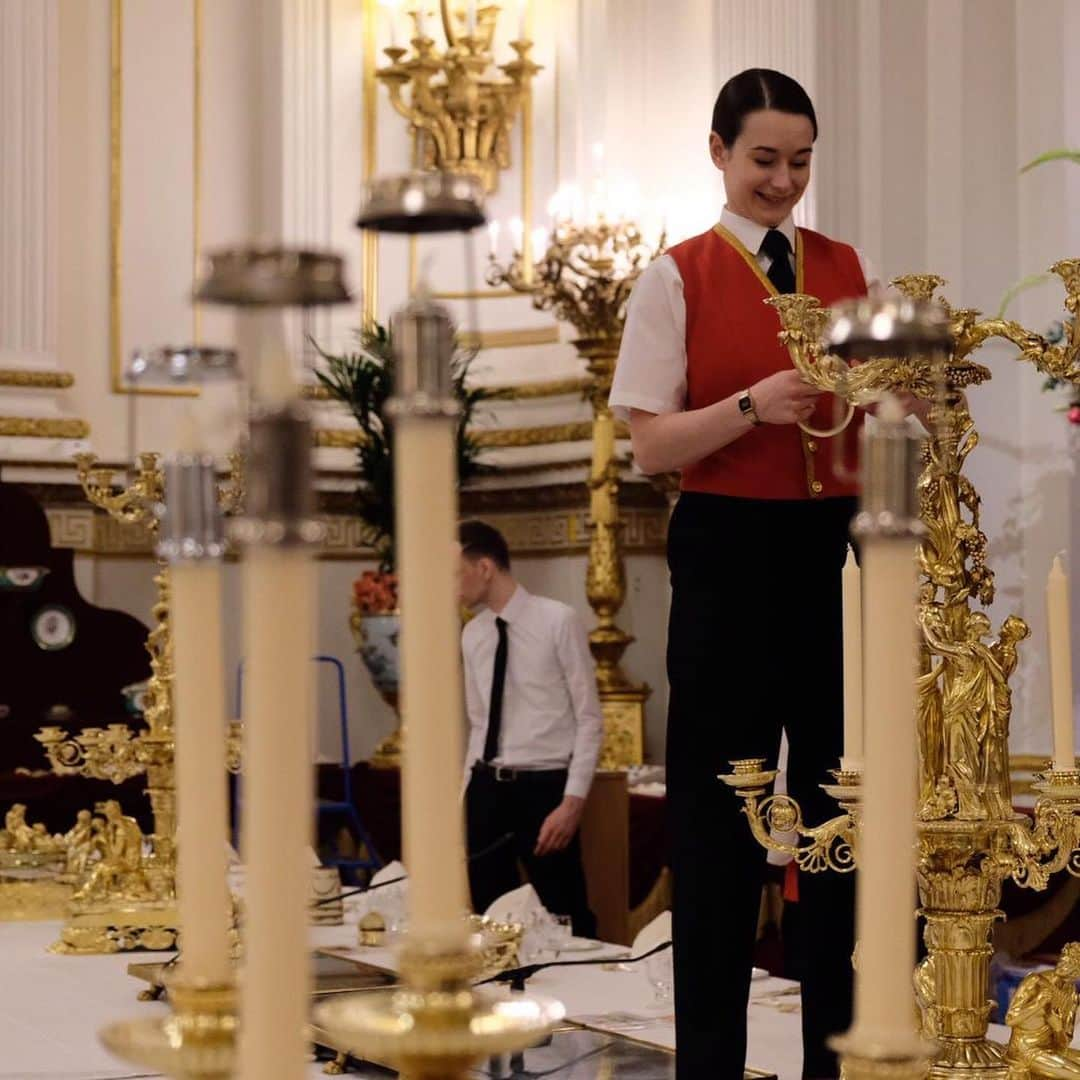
<point>585,278</point>
<point>969,839</point>
<point>196,1042</point>
<point>138,910</point>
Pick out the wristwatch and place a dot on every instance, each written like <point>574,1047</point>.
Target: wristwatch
<point>746,407</point>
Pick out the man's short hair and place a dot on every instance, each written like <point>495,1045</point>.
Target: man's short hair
<point>479,540</point>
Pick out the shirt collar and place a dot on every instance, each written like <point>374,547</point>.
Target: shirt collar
<point>750,233</point>
<point>515,605</point>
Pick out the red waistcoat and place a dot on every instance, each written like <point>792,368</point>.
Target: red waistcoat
<point>731,343</point>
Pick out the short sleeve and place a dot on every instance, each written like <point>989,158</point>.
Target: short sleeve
<point>651,370</point>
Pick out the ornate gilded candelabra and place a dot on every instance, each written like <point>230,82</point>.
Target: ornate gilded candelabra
<point>970,839</point>
<point>585,277</point>
<point>460,117</point>
<point>135,908</point>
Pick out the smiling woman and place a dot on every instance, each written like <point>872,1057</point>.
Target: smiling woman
<point>761,518</point>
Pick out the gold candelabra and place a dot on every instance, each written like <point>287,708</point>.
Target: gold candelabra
<point>969,838</point>
<point>585,277</point>
<point>135,907</point>
<point>460,117</point>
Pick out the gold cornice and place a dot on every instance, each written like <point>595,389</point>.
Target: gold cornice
<point>41,427</point>
<point>37,380</point>
<point>339,438</point>
<point>573,384</point>
<point>545,435</point>
<point>487,438</point>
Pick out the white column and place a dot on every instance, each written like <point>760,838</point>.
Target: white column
<point>31,384</point>
<point>29,82</point>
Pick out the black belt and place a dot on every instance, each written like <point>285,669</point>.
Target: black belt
<point>509,774</point>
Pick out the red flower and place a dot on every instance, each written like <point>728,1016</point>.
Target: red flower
<point>375,593</point>
<point>1074,413</point>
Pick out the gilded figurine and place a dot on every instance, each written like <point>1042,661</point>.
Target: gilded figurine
<point>79,845</point>
<point>119,871</point>
<point>1042,1016</point>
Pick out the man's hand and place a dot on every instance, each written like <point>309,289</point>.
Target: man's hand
<point>560,825</point>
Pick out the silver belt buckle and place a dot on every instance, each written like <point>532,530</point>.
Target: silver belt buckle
<point>503,773</point>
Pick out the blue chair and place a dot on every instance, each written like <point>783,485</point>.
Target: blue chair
<point>367,858</point>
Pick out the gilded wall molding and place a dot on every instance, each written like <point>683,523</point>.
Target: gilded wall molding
<point>540,524</point>
<point>541,388</point>
<point>487,438</point>
<point>42,427</point>
<point>33,379</point>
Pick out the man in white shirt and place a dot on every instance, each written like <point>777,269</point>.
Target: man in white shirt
<point>535,729</point>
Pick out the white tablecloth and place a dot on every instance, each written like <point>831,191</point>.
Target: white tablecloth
<point>51,1007</point>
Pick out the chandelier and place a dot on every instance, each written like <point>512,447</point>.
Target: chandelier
<point>460,111</point>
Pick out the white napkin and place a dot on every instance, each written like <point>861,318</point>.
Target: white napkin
<point>655,933</point>
<point>516,906</point>
<point>391,870</point>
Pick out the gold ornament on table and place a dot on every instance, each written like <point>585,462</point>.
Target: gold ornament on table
<point>132,906</point>
<point>585,277</point>
<point>969,838</point>
<point>33,886</point>
<point>461,117</point>
<point>1042,1016</point>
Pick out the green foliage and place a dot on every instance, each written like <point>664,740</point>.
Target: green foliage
<point>1036,279</point>
<point>363,380</point>
<point>1053,155</point>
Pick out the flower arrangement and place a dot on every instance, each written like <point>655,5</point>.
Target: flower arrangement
<point>375,593</point>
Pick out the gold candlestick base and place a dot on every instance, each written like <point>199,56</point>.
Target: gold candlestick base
<point>436,1025</point>
<point>198,1040</point>
<point>860,1060</point>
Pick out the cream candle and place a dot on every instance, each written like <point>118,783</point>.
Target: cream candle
<point>431,687</point>
<point>853,664</point>
<point>1061,689</point>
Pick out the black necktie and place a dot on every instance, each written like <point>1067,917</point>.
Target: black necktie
<point>776,246</point>
<point>498,681</point>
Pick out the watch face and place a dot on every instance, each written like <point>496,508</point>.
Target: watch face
<point>53,628</point>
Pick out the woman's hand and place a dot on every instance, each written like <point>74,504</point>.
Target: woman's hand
<point>784,398</point>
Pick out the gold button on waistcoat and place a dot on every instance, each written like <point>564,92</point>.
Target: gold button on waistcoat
<point>817,487</point>
<point>811,446</point>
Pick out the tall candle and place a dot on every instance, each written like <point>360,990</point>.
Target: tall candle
<point>431,686</point>
<point>1061,690</point>
<point>523,20</point>
<point>884,1000</point>
<point>201,789</point>
<point>853,664</point>
<point>470,18</point>
<point>278,592</point>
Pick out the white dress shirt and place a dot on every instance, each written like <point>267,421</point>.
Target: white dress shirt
<point>551,716</point>
<point>651,372</point>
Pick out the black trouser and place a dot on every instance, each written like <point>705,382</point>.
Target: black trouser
<point>495,808</point>
<point>754,646</point>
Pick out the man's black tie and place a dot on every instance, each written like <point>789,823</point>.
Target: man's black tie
<point>498,681</point>
<point>776,246</point>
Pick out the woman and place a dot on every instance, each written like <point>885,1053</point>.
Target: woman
<point>755,548</point>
